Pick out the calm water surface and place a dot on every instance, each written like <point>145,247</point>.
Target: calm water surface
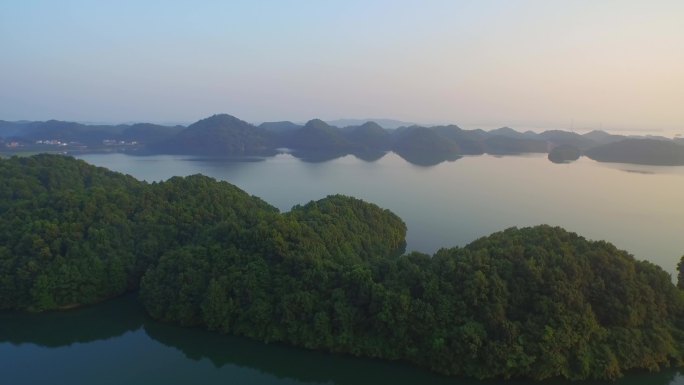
<point>638,208</point>
<point>115,343</point>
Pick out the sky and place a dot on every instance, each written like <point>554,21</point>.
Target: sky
<point>481,63</point>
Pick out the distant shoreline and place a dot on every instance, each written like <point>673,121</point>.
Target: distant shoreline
<point>316,141</point>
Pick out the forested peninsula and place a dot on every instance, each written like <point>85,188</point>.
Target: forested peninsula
<point>332,275</point>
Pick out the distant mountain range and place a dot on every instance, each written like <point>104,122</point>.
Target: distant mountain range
<point>25,131</point>
<point>385,123</point>
<point>227,136</point>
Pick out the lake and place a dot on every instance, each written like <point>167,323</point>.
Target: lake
<point>638,208</point>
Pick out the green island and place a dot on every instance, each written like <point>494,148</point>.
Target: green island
<point>332,275</point>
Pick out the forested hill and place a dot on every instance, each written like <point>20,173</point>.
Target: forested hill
<point>535,303</point>
<point>72,233</point>
<point>640,151</point>
<point>332,275</point>
<point>218,135</point>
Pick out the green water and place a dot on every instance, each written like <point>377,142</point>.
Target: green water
<point>115,343</point>
<point>638,208</point>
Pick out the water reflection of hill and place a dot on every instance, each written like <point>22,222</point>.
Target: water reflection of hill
<point>101,322</point>
<point>118,316</point>
<point>316,367</point>
<point>286,362</point>
<point>369,155</point>
<point>318,156</point>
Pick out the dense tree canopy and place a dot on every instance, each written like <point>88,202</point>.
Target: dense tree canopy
<point>65,233</point>
<point>332,275</point>
<point>73,234</point>
<point>537,302</point>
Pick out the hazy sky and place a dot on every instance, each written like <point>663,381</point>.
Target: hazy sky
<point>527,64</point>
